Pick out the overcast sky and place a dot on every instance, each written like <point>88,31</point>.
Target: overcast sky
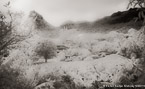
<point>59,11</point>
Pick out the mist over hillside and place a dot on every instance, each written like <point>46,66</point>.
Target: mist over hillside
<point>120,21</point>
<point>77,55</point>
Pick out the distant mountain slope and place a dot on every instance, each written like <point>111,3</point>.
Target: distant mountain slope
<point>120,21</point>
<point>39,22</point>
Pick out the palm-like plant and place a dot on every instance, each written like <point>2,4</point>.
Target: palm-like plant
<point>138,4</point>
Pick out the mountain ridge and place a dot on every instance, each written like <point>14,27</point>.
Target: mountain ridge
<point>121,20</point>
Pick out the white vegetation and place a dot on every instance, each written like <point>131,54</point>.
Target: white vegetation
<point>88,57</point>
<point>83,48</point>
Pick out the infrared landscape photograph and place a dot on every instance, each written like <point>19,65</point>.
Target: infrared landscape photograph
<point>72,44</point>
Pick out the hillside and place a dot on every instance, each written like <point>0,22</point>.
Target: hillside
<point>119,21</point>
<point>104,69</point>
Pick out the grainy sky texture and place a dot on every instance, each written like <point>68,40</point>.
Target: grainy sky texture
<point>59,11</point>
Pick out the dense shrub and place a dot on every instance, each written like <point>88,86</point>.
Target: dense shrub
<point>129,47</point>
<point>5,32</point>
<point>64,82</point>
<point>8,34</point>
<point>106,47</point>
<point>13,79</point>
<point>133,44</point>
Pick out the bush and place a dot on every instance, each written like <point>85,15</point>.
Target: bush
<point>8,34</point>
<point>105,47</point>
<point>12,79</point>
<point>133,44</point>
<point>5,32</point>
<point>66,82</point>
<point>96,85</point>
<point>128,48</point>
